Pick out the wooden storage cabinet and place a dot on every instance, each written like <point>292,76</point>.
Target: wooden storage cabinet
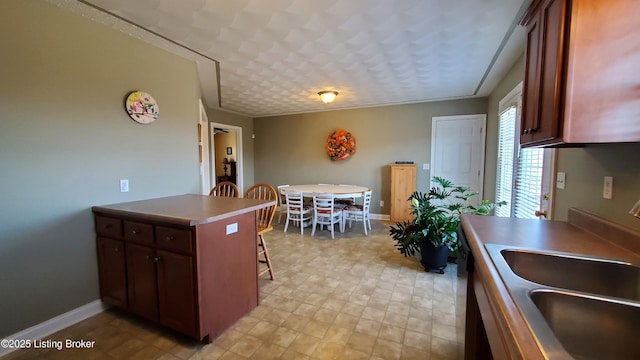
<point>581,83</point>
<point>403,184</point>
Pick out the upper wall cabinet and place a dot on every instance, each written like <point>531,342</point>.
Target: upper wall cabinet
<point>582,77</point>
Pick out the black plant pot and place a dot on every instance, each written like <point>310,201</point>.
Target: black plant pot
<point>433,257</point>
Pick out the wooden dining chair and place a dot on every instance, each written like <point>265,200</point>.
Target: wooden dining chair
<point>225,189</point>
<point>358,212</point>
<point>264,218</point>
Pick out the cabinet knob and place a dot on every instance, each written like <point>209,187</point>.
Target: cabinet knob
<point>156,259</point>
<point>135,232</point>
<point>147,257</point>
<point>169,238</point>
<point>526,131</point>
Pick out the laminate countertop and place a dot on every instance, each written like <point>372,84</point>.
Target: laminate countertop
<point>187,210</point>
<point>584,234</point>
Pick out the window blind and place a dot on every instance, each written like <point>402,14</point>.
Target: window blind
<point>528,183</point>
<point>506,151</point>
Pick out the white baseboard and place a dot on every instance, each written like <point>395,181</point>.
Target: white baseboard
<point>380,217</point>
<point>58,323</point>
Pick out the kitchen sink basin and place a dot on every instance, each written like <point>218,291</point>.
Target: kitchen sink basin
<point>574,272</point>
<point>590,327</point>
<point>577,307</point>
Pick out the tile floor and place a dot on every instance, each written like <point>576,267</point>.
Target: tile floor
<point>353,297</point>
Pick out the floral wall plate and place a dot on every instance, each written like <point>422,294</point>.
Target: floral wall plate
<point>340,145</point>
<point>141,107</point>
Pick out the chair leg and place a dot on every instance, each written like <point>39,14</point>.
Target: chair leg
<point>263,245</point>
<point>364,224</point>
<point>286,224</point>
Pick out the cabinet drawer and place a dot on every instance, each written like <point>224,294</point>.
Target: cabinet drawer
<point>109,227</point>
<point>174,239</point>
<point>138,232</point>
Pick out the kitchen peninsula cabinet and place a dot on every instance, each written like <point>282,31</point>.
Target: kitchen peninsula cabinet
<point>581,84</point>
<point>188,262</point>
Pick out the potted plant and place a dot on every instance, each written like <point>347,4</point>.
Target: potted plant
<point>433,230</point>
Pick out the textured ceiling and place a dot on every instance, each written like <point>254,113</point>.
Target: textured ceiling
<point>275,55</point>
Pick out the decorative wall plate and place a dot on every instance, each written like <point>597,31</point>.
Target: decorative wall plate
<point>141,107</point>
<point>340,145</point>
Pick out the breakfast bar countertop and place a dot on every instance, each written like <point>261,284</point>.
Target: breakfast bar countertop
<point>584,234</point>
<point>188,210</point>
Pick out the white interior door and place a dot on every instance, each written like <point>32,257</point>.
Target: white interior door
<point>457,150</point>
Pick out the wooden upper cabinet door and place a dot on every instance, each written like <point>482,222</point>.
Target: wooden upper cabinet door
<point>603,77</point>
<point>552,31</point>
<point>531,91</point>
<point>543,83</point>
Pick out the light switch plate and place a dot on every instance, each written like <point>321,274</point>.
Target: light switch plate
<point>607,189</point>
<point>124,185</point>
<point>425,166</point>
<point>560,180</point>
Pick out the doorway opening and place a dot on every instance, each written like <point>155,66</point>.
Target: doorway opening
<point>226,154</point>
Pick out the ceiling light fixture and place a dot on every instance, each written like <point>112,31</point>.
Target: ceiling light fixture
<point>328,96</point>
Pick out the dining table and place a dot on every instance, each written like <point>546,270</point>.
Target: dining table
<point>339,191</point>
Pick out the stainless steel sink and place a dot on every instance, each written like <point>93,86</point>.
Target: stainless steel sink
<point>574,272</point>
<point>591,327</point>
<point>577,307</point>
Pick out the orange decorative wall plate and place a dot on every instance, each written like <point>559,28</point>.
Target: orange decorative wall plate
<point>340,145</point>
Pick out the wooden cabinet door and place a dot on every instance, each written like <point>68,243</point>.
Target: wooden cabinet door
<point>531,90</point>
<point>141,277</point>
<point>403,184</point>
<point>603,81</point>
<point>543,84</point>
<point>112,271</point>
<point>176,292</point>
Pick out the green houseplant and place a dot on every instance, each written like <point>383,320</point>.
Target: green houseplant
<point>433,230</point>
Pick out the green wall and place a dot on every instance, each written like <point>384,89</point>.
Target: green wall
<point>586,168</point>
<point>290,149</point>
<point>65,141</point>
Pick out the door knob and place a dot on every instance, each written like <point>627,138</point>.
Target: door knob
<point>541,213</point>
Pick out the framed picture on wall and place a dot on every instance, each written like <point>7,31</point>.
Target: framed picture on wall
<point>229,150</point>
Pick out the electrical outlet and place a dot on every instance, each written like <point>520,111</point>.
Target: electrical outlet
<point>607,190</point>
<point>124,185</point>
<point>381,203</point>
